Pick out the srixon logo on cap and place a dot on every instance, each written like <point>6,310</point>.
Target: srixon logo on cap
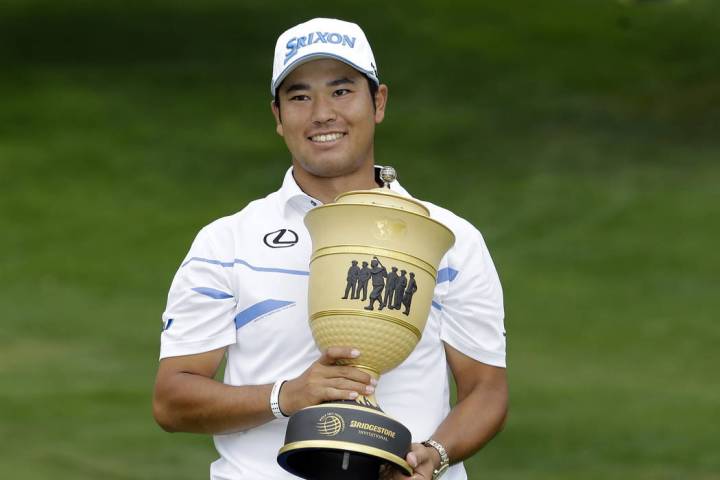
<point>296,43</point>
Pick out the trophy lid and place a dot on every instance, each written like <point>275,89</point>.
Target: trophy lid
<point>385,198</point>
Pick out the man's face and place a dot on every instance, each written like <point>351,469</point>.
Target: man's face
<point>327,118</point>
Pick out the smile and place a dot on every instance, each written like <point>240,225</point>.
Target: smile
<point>327,137</point>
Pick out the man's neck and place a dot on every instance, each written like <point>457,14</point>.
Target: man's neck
<point>326,189</point>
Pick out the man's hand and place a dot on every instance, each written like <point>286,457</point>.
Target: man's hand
<point>423,461</point>
<point>188,399</point>
<point>325,381</point>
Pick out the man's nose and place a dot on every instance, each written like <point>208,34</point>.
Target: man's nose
<point>323,111</point>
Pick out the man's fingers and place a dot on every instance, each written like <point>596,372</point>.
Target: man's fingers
<point>351,373</point>
<point>338,394</point>
<point>348,385</point>
<point>421,460</point>
<point>333,354</point>
<point>418,455</point>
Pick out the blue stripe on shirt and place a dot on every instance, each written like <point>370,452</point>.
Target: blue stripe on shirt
<point>259,309</point>
<point>239,261</point>
<point>212,293</point>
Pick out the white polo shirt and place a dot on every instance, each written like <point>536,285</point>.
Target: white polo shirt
<point>243,285</point>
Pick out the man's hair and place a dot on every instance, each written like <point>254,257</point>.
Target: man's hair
<point>372,87</point>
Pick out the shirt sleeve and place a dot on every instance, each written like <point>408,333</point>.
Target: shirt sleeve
<point>199,315</point>
<point>472,316</point>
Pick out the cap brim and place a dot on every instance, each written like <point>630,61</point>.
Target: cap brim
<point>315,56</point>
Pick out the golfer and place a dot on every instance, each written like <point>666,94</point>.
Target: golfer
<point>241,300</point>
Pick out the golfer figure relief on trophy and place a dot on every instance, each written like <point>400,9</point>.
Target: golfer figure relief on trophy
<point>372,275</point>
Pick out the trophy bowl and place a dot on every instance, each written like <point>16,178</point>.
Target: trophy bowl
<point>372,275</point>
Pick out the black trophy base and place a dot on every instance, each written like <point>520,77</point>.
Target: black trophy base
<point>343,440</point>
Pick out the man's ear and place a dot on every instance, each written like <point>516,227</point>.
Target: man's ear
<point>276,113</point>
<point>380,102</point>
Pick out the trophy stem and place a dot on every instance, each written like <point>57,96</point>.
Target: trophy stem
<point>368,401</point>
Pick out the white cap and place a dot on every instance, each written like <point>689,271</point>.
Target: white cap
<point>322,38</point>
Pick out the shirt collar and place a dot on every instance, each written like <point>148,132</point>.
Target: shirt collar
<point>292,195</point>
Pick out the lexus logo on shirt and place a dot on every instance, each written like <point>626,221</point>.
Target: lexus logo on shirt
<point>282,238</point>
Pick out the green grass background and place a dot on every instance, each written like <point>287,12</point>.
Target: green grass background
<point>582,137</point>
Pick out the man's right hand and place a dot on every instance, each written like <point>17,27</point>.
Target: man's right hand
<point>325,381</point>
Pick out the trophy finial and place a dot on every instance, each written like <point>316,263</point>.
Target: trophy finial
<point>387,175</point>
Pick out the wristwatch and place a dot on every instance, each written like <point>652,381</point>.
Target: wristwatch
<point>444,459</point>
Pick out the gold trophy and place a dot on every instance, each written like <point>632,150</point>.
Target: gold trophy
<point>372,275</point>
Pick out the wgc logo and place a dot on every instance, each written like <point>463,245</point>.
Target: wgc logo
<point>330,424</point>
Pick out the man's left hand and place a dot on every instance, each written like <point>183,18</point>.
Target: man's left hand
<point>423,461</point>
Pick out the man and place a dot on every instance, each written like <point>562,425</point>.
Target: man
<point>378,273</point>
<point>363,279</point>
<point>400,285</point>
<point>409,292</point>
<point>390,288</point>
<point>352,280</point>
<point>235,296</point>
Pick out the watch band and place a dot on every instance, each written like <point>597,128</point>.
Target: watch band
<point>444,459</point>
<point>275,400</point>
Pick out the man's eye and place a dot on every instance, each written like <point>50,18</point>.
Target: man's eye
<point>340,92</point>
<point>298,98</point>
